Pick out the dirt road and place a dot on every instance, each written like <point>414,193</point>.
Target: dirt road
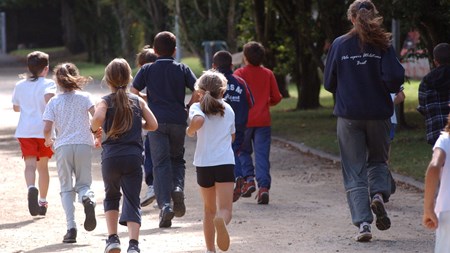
<point>307,211</point>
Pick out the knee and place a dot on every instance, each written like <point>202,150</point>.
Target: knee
<point>210,212</point>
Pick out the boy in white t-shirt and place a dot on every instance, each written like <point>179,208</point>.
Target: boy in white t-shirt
<point>436,213</point>
<point>69,112</point>
<point>29,98</point>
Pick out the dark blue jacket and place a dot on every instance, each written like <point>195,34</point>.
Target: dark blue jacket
<point>166,81</point>
<point>362,79</point>
<point>239,96</point>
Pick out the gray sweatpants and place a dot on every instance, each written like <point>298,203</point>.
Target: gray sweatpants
<point>74,162</point>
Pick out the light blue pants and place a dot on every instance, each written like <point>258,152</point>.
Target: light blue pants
<point>74,162</point>
<point>364,148</point>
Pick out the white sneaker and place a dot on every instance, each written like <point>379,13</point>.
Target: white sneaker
<point>365,233</point>
<point>149,197</point>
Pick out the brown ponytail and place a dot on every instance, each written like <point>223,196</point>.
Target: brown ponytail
<point>212,85</point>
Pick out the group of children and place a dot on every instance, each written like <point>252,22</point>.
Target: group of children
<point>223,114</point>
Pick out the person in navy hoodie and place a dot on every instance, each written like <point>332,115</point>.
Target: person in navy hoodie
<point>362,70</point>
<point>239,96</point>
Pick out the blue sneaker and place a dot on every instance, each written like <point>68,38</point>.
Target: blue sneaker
<point>113,244</point>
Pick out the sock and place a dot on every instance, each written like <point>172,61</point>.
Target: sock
<point>109,236</point>
<point>135,242</point>
<point>42,200</point>
<point>31,186</point>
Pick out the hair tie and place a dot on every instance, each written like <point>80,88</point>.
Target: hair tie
<point>365,5</point>
<point>121,87</point>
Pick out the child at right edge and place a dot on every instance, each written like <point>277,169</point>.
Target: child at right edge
<point>263,85</point>
<point>436,211</point>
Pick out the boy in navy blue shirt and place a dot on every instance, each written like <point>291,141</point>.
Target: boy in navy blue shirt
<point>239,96</point>
<point>166,81</point>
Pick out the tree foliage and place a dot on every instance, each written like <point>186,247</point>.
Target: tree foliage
<point>296,33</point>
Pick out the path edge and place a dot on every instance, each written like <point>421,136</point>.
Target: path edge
<point>336,159</point>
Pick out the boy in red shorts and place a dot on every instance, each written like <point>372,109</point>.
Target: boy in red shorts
<point>30,97</point>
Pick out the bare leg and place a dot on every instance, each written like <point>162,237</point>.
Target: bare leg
<point>112,217</point>
<point>44,177</point>
<point>224,193</point>
<point>30,170</point>
<point>133,230</point>
<point>209,209</point>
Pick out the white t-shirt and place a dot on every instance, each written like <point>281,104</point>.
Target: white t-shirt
<point>70,114</point>
<point>29,96</point>
<point>443,198</point>
<point>214,137</point>
<point>394,115</point>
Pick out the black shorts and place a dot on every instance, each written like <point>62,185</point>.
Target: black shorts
<point>208,176</point>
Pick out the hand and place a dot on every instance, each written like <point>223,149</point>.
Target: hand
<point>188,132</point>
<point>430,220</point>
<point>48,142</point>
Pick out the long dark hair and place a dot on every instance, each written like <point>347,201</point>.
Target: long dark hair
<point>118,76</point>
<point>367,24</point>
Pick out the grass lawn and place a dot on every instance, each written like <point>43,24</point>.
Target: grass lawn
<point>410,153</point>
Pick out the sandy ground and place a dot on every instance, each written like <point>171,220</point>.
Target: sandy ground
<point>307,211</point>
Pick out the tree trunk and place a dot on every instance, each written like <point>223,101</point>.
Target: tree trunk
<point>72,41</point>
<point>125,20</point>
<point>231,27</point>
<point>310,84</point>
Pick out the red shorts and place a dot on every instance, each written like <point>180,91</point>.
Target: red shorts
<point>34,147</point>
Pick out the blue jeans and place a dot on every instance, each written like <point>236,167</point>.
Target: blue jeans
<point>237,145</point>
<point>148,166</point>
<point>364,148</point>
<point>256,139</point>
<point>167,151</point>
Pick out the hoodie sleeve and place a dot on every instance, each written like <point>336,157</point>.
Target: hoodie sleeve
<point>330,78</point>
<point>392,72</point>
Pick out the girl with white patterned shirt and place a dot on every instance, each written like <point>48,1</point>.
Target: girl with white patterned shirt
<point>69,113</point>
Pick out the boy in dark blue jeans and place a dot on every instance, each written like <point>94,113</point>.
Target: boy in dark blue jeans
<point>166,81</point>
<point>239,96</point>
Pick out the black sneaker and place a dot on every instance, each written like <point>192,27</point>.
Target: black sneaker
<point>178,202</point>
<point>382,220</point>
<point>33,205</point>
<point>89,209</point>
<point>43,207</point>
<point>133,248</point>
<point>165,217</point>
<point>112,244</point>
<point>365,233</point>
<point>71,236</point>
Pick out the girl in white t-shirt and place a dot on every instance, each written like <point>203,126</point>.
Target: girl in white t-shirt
<point>436,214</point>
<point>69,113</point>
<point>213,121</point>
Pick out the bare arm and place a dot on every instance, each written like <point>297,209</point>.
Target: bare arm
<point>48,125</point>
<point>97,121</point>
<point>92,110</point>
<point>194,98</point>
<point>151,123</point>
<point>195,124</point>
<point>48,96</point>
<point>432,179</point>
<point>16,108</point>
